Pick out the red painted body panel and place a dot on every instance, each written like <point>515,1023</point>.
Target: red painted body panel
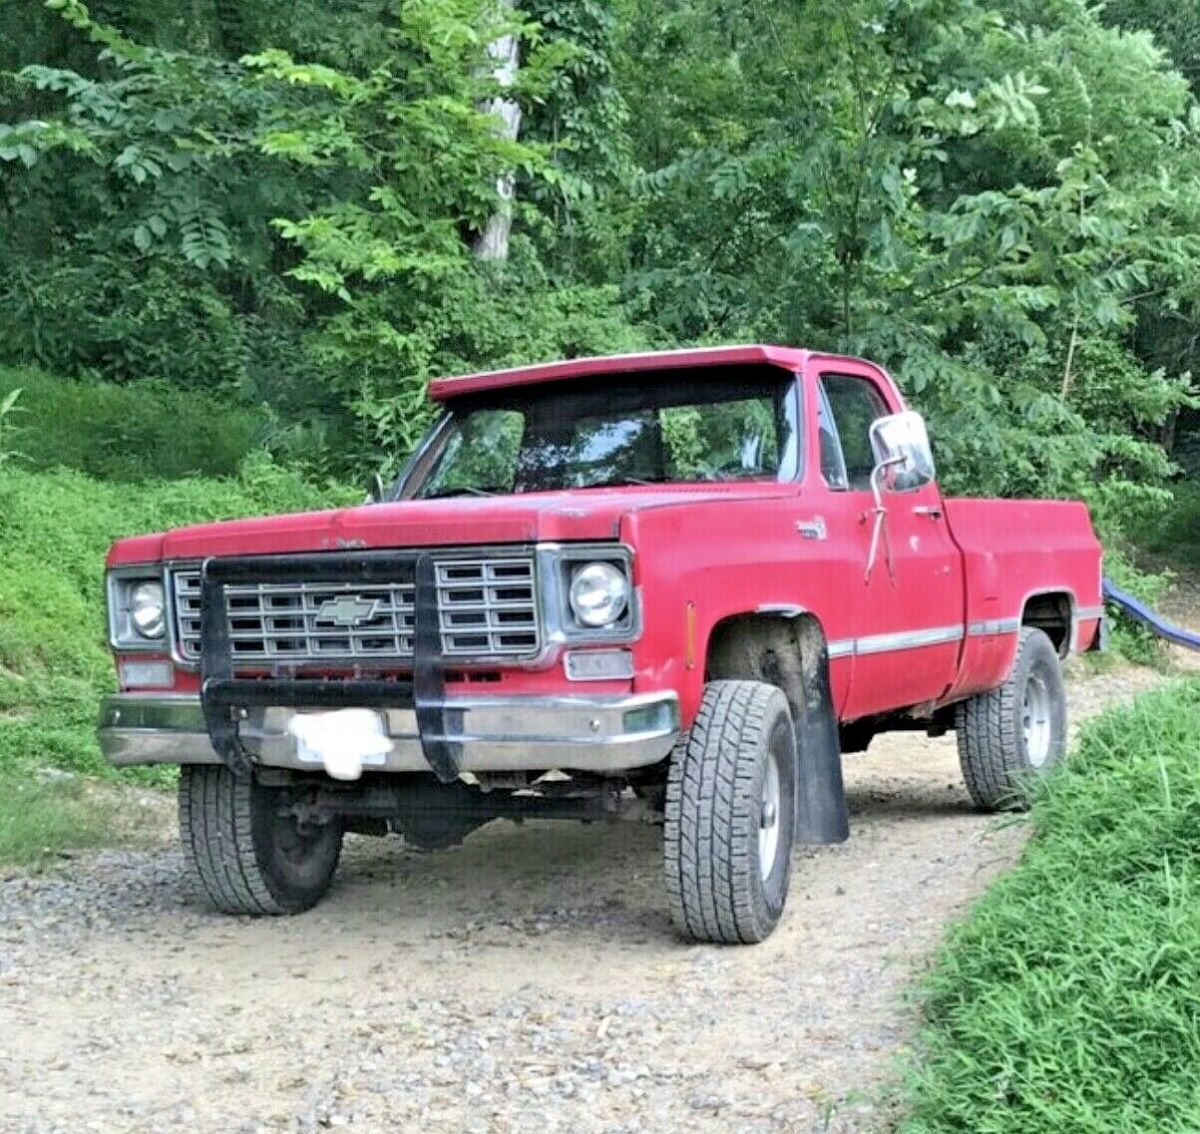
<point>787,358</point>
<point>1014,550</point>
<point>731,549</point>
<point>918,587</point>
<point>526,518</point>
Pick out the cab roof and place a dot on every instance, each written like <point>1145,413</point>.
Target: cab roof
<point>787,358</point>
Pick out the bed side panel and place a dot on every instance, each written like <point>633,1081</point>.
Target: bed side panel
<point>1014,550</point>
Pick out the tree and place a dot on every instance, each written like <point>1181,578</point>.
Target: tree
<point>1175,27</point>
<point>504,52</point>
<point>979,196</point>
<point>319,207</point>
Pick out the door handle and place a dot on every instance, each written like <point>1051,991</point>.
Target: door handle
<point>933,511</point>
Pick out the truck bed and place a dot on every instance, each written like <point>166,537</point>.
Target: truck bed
<point>1015,552</point>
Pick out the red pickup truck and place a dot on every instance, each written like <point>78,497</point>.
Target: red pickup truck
<point>678,584</point>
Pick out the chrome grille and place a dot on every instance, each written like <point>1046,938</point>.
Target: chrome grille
<point>487,609</point>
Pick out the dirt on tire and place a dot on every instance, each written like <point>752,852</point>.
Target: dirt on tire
<point>529,980</point>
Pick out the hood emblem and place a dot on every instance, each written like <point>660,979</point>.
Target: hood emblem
<point>348,610</point>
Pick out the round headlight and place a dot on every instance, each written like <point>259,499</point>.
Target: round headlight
<point>147,609</point>
<point>599,594</point>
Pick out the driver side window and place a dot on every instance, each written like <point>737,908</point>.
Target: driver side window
<point>849,406</point>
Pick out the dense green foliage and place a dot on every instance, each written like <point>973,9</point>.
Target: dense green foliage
<point>56,528</point>
<point>1067,999</point>
<point>251,227</point>
<point>1174,25</point>
<point>278,202</point>
<point>1178,534</point>
<point>127,432</point>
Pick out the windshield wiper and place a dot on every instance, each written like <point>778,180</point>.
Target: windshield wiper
<point>616,482</point>
<point>623,481</point>
<point>447,493</point>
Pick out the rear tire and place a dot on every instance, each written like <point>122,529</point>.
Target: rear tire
<point>730,815</point>
<point>1011,735</point>
<point>245,853</point>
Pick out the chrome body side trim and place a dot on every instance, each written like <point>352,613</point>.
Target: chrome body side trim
<point>783,609</point>
<point>983,628</point>
<point>892,643</point>
<point>574,733</point>
<point>908,639</point>
<point>990,627</point>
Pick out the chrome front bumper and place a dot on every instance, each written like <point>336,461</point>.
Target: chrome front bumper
<point>497,734</point>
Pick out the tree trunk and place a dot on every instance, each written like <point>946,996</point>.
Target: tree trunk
<point>202,33</point>
<point>1170,432</point>
<point>492,243</point>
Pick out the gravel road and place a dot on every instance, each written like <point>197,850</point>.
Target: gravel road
<point>1182,603</point>
<point>526,981</point>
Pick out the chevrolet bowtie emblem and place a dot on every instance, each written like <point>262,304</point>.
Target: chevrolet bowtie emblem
<point>348,610</point>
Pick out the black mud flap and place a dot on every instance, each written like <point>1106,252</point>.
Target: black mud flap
<point>225,698</point>
<point>821,813</point>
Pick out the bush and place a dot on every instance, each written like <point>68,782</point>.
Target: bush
<point>1130,638</point>
<point>1067,1000</point>
<point>145,429</point>
<point>1177,533</point>
<point>56,528</point>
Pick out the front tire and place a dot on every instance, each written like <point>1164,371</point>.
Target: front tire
<point>245,852</point>
<point>1011,735</point>
<point>730,815</point>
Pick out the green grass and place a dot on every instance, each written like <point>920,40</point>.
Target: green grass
<point>55,529</point>
<point>129,432</point>
<point>41,821</point>
<point>1069,999</point>
<point>79,483</point>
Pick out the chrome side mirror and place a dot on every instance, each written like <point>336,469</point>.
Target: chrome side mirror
<point>903,463</point>
<point>903,457</point>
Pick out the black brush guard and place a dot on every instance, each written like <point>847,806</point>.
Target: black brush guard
<point>225,697</point>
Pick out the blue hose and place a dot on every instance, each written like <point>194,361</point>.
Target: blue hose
<point>1142,613</point>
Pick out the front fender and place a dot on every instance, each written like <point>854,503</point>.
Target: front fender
<point>699,566</point>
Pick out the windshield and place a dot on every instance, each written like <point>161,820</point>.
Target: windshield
<point>656,430</point>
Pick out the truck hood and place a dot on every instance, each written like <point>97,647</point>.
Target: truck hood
<point>593,514</point>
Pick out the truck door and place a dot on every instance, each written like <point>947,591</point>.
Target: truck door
<point>908,609</point>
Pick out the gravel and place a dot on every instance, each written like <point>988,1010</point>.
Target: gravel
<point>1182,604</point>
<point>526,981</point>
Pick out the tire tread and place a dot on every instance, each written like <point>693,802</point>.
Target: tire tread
<point>990,749</point>
<point>710,800</point>
<point>215,816</point>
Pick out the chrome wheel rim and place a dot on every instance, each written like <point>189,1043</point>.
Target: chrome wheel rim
<point>769,818</point>
<point>1036,722</point>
